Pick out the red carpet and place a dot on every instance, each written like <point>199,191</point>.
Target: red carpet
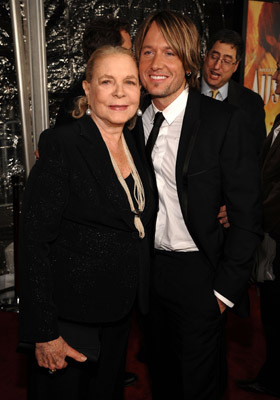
<point>246,351</point>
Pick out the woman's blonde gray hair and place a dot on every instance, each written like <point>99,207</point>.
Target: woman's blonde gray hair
<point>81,103</point>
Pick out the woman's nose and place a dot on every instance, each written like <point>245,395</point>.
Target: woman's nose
<point>119,92</point>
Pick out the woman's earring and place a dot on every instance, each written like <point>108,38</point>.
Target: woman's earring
<point>139,113</point>
<point>188,74</point>
<point>88,111</point>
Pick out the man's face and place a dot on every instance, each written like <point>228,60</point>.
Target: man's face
<point>161,71</point>
<point>276,77</point>
<point>219,65</point>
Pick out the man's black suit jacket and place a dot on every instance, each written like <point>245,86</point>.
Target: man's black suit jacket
<point>217,165</point>
<point>252,105</point>
<point>80,250</point>
<point>270,179</point>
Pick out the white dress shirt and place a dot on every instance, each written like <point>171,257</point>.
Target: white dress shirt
<point>207,91</point>
<point>171,231</point>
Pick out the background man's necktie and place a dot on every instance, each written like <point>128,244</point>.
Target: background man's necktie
<point>214,93</point>
<point>154,134</point>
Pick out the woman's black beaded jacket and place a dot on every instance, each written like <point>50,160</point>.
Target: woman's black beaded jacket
<point>79,248</point>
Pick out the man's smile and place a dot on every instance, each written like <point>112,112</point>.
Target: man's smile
<point>158,77</point>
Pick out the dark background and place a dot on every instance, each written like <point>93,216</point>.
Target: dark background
<point>65,22</point>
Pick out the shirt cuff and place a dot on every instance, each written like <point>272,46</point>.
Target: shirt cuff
<point>223,299</point>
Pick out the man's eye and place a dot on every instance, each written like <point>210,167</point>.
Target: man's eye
<point>170,53</point>
<point>131,83</point>
<point>227,61</point>
<point>147,52</point>
<point>214,56</point>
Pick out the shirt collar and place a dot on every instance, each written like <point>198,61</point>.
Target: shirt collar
<point>171,112</point>
<point>276,131</point>
<point>205,89</point>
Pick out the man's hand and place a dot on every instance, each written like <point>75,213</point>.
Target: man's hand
<point>221,305</point>
<point>222,217</point>
<point>52,354</point>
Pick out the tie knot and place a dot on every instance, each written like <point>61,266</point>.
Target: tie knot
<point>158,119</point>
<point>214,93</point>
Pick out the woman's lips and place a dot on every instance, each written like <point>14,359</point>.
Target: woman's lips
<point>116,107</point>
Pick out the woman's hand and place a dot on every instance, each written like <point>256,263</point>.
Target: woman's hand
<point>52,354</point>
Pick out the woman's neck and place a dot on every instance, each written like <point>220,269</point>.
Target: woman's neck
<point>110,133</point>
<point>113,139</point>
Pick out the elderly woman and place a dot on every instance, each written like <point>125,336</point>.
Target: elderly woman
<point>84,246</point>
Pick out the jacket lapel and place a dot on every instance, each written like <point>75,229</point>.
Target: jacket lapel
<point>95,153</point>
<point>139,136</point>
<point>268,149</point>
<point>139,130</point>
<point>138,133</point>
<point>233,93</point>
<point>189,132</point>
<point>144,175</point>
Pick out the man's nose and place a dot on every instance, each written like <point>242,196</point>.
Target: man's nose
<point>218,63</point>
<point>156,61</point>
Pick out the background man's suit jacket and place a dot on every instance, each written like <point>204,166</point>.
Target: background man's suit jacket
<point>270,176</point>
<point>252,104</point>
<point>79,247</point>
<point>216,165</point>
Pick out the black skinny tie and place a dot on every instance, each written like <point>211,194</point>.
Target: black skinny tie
<point>154,134</point>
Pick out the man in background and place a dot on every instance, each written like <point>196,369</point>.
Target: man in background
<point>222,58</point>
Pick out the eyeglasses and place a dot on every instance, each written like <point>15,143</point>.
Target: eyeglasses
<point>225,61</point>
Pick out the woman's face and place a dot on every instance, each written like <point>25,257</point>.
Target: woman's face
<point>114,91</point>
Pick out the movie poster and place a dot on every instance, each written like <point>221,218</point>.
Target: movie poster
<point>262,52</point>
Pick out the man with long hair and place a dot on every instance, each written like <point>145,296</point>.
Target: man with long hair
<point>199,158</point>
